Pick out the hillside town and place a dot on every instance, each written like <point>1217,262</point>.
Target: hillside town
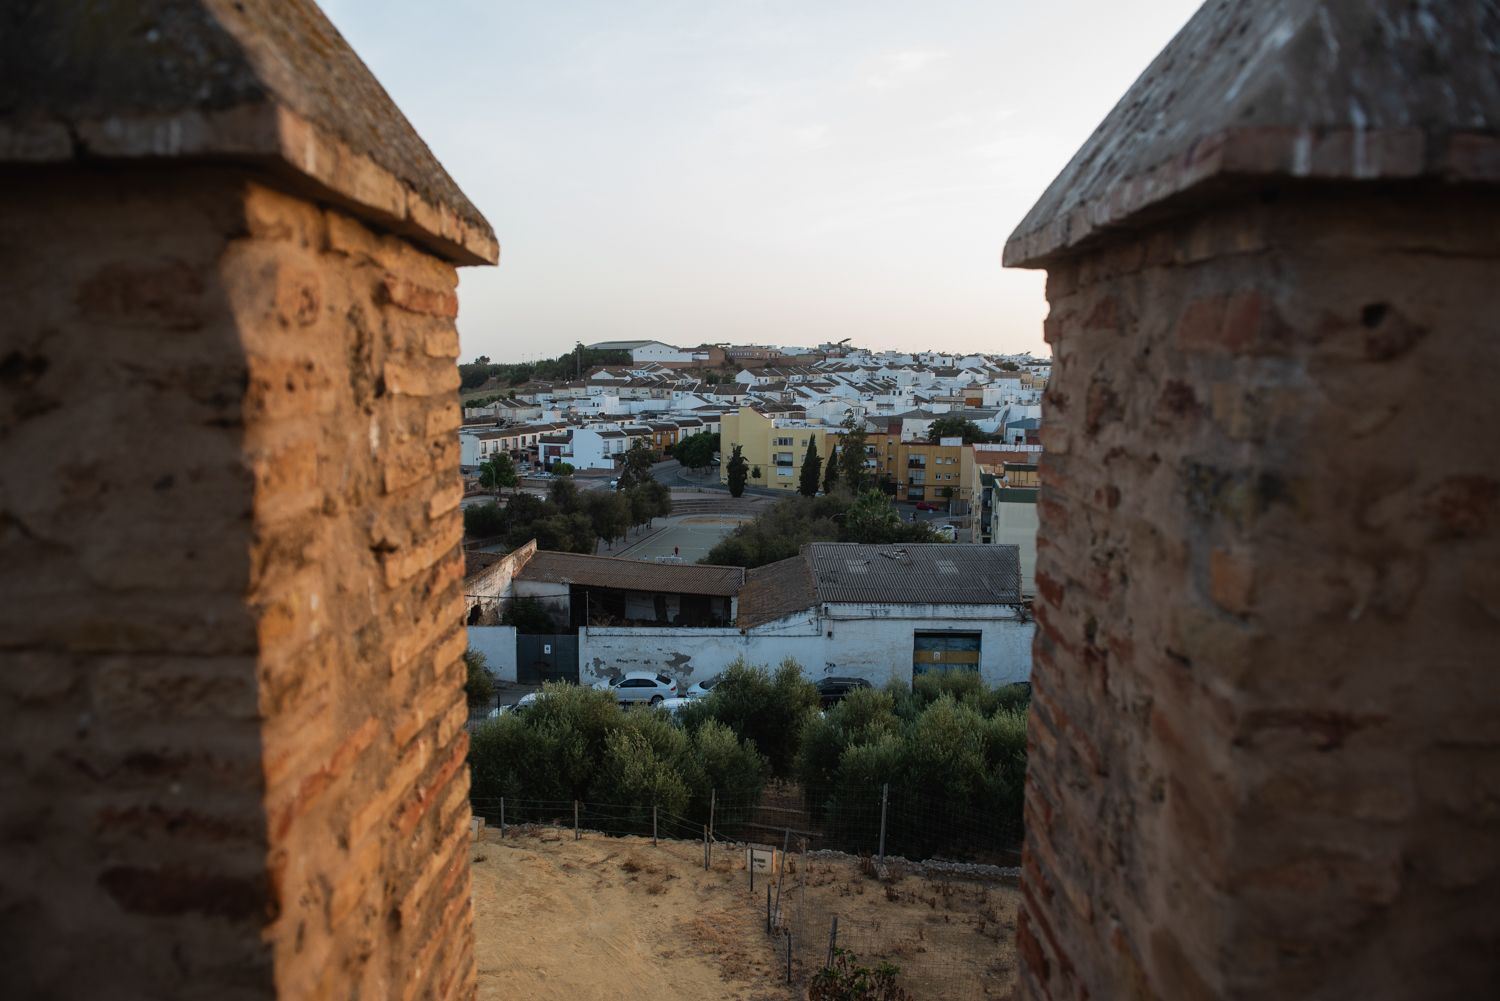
<point>1158,665</point>
<point>772,402</point>
<point>948,442</point>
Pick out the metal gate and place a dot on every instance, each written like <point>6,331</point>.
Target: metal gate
<point>944,651</point>
<point>544,657</point>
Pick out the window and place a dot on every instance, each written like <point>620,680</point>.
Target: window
<point>782,443</point>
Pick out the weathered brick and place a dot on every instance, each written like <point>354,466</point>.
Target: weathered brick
<point>415,298</point>
<point>406,562</point>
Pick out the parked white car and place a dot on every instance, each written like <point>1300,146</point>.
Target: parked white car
<point>674,706</point>
<point>640,686</point>
<point>948,532</point>
<point>702,689</point>
<point>522,704</point>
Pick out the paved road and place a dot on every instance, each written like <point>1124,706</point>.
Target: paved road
<point>666,472</point>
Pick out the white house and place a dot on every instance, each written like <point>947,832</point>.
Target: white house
<point>883,613</point>
<point>595,446</point>
<point>642,352</point>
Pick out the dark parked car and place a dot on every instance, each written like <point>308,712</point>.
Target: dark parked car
<point>832,690</point>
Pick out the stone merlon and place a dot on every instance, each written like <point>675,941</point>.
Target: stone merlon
<point>1362,90</point>
<point>268,81</point>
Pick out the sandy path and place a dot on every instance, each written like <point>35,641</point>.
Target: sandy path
<point>564,920</point>
<point>559,920</point>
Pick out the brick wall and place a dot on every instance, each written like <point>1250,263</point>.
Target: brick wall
<point>231,597</point>
<point>1266,729</point>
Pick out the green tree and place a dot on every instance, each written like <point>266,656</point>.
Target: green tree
<point>696,450</point>
<point>609,513</point>
<point>1009,366</point>
<point>852,453</point>
<point>738,470</point>
<point>483,521</point>
<point>955,427</point>
<point>479,687</point>
<point>831,470</point>
<point>562,468</point>
<point>498,471</point>
<point>563,493</point>
<point>812,470</point>
<point>636,468</point>
<point>659,496</point>
<point>871,519</point>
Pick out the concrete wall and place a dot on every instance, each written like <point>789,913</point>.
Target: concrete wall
<point>1014,523</point>
<point>230,597</point>
<point>498,644</point>
<point>1264,733</point>
<point>863,645</point>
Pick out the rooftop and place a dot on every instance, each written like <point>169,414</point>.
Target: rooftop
<point>775,590</point>
<point>632,575</point>
<point>916,573</point>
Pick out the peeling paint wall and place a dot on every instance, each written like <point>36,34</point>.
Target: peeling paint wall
<point>843,643</point>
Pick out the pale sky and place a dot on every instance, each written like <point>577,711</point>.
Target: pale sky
<point>754,170</point>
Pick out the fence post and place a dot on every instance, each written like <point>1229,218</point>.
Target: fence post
<point>575,820</point>
<point>705,848</point>
<point>653,825</point>
<point>833,938</point>
<point>781,872</point>
<point>884,793</point>
<point>502,816</point>
<point>788,955</point>
<point>768,908</point>
<point>713,801</point>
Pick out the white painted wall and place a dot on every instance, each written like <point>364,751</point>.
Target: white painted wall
<point>498,644</point>
<point>659,352</point>
<point>872,642</point>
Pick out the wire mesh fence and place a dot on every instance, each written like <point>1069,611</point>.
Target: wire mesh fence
<point>835,879</point>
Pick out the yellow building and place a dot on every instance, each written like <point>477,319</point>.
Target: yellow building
<point>773,446</point>
<point>920,470</point>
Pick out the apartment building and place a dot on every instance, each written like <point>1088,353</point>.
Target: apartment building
<point>774,446</point>
<point>920,470</point>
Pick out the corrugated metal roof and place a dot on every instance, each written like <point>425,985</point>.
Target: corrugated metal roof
<point>916,574</point>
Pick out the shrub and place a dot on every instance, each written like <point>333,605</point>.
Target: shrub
<point>479,687</point>
<point>729,765</point>
<point>845,980</point>
<point>636,773</point>
<point>957,682</point>
<point>770,711</point>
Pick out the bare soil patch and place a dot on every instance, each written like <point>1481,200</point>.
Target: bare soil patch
<point>610,917</point>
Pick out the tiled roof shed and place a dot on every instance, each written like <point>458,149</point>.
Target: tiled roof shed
<point>632,575</point>
<point>915,573</point>
<point>775,590</point>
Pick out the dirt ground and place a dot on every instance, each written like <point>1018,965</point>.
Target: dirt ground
<point>610,917</point>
